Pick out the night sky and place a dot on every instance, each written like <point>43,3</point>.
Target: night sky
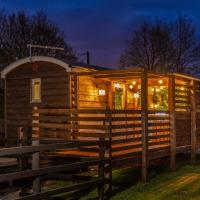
<point>103,26</point>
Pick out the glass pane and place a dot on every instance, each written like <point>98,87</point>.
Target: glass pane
<point>118,98</point>
<point>36,90</point>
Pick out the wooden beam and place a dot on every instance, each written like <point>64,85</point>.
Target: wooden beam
<point>193,123</point>
<point>171,89</point>
<point>111,72</point>
<point>144,109</point>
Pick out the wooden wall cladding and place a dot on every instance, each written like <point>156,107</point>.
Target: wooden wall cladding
<point>88,92</point>
<point>54,91</point>
<point>183,128</point>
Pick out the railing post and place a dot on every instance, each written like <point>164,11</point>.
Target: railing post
<point>101,170</point>
<point>36,156</point>
<point>109,123</point>
<point>193,123</point>
<point>171,89</point>
<point>20,140</point>
<point>144,110</point>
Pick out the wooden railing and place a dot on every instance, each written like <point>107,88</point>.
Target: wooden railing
<point>62,172</point>
<point>2,132</point>
<point>167,133</point>
<point>123,128</point>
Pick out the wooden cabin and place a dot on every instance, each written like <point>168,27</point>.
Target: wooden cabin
<point>138,111</point>
<point>109,102</point>
<point>37,81</point>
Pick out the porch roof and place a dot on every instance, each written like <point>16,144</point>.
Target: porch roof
<point>120,73</point>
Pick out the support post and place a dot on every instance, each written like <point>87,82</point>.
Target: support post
<point>36,156</point>
<point>101,168</point>
<point>109,149</point>
<point>144,113</point>
<point>193,123</point>
<point>76,106</point>
<point>171,89</point>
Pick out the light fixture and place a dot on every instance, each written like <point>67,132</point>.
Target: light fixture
<point>134,82</point>
<point>157,89</point>
<point>182,88</point>
<point>117,85</point>
<point>131,86</point>
<point>156,105</point>
<point>160,82</point>
<point>101,92</point>
<point>136,95</point>
<point>161,87</point>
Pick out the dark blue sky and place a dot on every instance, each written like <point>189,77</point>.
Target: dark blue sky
<point>103,26</point>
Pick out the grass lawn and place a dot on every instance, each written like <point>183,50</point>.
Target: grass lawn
<point>184,184</point>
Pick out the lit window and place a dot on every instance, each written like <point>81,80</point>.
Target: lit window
<point>36,90</point>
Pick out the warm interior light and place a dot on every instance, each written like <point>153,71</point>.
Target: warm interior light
<point>101,92</point>
<point>117,85</point>
<point>156,105</point>
<point>160,82</point>
<point>134,82</point>
<point>161,87</point>
<point>157,89</point>
<point>182,88</point>
<point>131,86</point>
<point>136,95</point>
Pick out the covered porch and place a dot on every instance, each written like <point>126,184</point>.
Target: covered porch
<point>143,114</point>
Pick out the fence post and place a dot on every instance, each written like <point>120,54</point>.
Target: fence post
<point>193,123</point>
<point>109,148</point>
<point>171,89</point>
<point>20,140</point>
<point>144,110</point>
<point>101,170</point>
<point>35,156</point>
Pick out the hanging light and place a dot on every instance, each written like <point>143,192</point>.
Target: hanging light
<point>134,82</point>
<point>117,85</point>
<point>160,81</point>
<point>182,88</point>
<point>131,86</point>
<point>136,95</point>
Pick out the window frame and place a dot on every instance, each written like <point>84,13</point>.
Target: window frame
<point>33,80</point>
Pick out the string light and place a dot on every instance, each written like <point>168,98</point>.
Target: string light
<point>134,82</point>
<point>117,85</point>
<point>131,86</point>
<point>136,95</point>
<point>160,82</point>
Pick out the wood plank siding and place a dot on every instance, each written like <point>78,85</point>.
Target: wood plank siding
<point>54,93</point>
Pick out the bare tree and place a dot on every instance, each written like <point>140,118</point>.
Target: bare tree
<point>18,29</point>
<point>164,46</point>
<point>186,45</point>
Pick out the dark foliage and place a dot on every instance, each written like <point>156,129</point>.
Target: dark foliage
<point>164,46</point>
<point>18,29</point>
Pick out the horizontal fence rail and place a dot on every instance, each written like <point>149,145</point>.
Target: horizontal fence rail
<point>122,128</point>
<point>36,174</point>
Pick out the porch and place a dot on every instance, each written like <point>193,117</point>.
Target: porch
<point>159,121</point>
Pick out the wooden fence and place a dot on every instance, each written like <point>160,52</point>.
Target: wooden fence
<point>1,132</point>
<point>68,172</point>
<point>122,128</point>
